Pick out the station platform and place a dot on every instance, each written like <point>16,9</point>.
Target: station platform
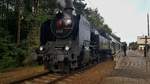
<point>131,69</point>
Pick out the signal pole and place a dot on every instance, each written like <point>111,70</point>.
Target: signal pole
<point>145,48</point>
<point>146,45</point>
<point>148,23</point>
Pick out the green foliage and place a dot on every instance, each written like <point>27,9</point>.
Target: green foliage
<point>94,17</point>
<point>133,45</point>
<point>10,56</point>
<point>31,14</point>
<point>107,29</point>
<point>97,20</point>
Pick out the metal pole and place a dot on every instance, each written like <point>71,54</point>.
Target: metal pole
<point>146,45</point>
<point>145,48</point>
<point>148,23</point>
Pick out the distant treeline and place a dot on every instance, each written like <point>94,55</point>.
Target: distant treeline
<point>20,22</point>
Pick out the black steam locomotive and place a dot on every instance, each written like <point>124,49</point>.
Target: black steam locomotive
<point>69,42</point>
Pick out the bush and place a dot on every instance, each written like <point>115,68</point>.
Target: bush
<point>10,55</point>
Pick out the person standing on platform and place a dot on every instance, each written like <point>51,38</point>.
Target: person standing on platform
<point>124,47</point>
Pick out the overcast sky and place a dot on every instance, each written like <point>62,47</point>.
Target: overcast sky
<point>127,18</point>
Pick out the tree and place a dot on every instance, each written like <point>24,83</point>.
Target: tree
<point>20,22</point>
<point>10,55</point>
<point>18,11</point>
<point>96,19</point>
<point>133,45</point>
<point>107,29</point>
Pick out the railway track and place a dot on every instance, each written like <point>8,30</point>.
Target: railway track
<point>42,78</point>
<point>47,78</point>
<point>51,78</point>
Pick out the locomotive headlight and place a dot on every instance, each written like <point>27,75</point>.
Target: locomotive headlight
<point>86,48</point>
<point>41,48</point>
<point>67,48</point>
<point>96,32</point>
<point>68,22</point>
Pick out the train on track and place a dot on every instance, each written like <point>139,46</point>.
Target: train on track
<point>69,42</point>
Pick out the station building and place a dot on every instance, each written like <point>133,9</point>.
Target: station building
<point>141,42</point>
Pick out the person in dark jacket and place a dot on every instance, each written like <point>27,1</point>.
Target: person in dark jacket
<point>124,47</point>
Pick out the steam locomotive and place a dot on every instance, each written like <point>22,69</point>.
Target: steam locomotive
<point>69,42</point>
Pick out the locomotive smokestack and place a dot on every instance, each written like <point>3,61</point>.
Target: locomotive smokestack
<point>65,4</point>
